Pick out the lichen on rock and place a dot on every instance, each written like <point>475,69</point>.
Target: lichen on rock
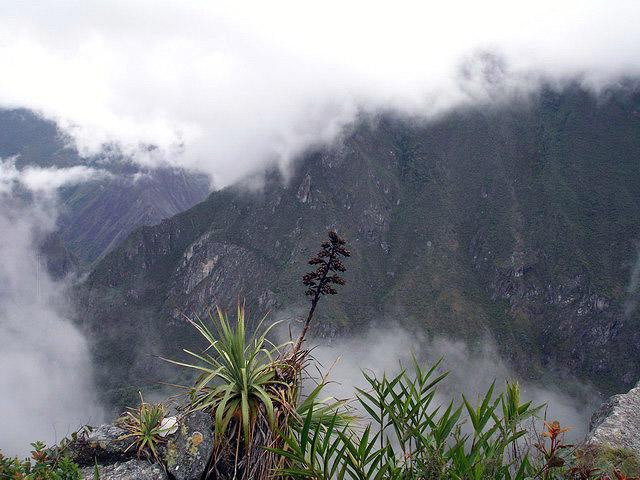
<point>187,451</point>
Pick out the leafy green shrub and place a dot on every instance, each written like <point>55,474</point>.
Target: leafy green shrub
<point>411,436</point>
<point>43,465</point>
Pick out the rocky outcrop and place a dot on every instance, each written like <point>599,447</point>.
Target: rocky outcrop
<point>616,423</point>
<point>187,452</point>
<point>183,455</point>
<point>130,470</point>
<point>103,444</point>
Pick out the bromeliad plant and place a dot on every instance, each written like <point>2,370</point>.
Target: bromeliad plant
<point>253,387</point>
<point>237,375</point>
<point>248,390</point>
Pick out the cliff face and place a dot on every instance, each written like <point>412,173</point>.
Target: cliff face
<point>520,221</point>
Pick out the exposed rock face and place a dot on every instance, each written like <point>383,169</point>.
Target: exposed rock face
<point>617,422</point>
<point>102,444</point>
<point>184,456</point>
<point>188,450</point>
<point>130,470</point>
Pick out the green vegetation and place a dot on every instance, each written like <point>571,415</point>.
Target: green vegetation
<point>397,428</point>
<point>237,382</point>
<point>144,426</point>
<point>252,388</point>
<point>43,465</point>
<point>412,436</point>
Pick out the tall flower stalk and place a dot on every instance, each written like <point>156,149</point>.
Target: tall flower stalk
<point>324,279</point>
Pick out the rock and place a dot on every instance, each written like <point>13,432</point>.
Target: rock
<point>129,470</point>
<point>304,189</point>
<point>617,422</point>
<point>187,451</point>
<point>102,444</point>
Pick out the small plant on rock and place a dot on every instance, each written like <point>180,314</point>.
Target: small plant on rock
<point>252,387</point>
<point>239,385</point>
<point>235,378</point>
<point>144,426</point>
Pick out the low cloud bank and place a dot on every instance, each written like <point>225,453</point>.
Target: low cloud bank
<point>226,86</point>
<point>44,180</point>
<point>45,365</point>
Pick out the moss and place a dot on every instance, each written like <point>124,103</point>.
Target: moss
<point>606,458</point>
<point>621,458</point>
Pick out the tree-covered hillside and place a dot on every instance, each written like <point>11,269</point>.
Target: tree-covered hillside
<point>519,220</point>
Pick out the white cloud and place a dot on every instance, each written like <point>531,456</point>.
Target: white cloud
<point>44,180</point>
<point>224,86</point>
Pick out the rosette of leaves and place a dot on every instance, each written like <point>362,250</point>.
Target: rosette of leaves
<point>144,426</point>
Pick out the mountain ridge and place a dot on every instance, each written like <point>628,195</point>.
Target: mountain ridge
<point>97,214</point>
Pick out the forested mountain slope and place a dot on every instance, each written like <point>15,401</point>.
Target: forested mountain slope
<point>521,221</point>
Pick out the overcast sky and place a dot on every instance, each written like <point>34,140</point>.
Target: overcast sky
<point>225,86</point>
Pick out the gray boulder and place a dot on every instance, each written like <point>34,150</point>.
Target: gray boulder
<point>616,424</point>
<point>102,444</point>
<point>187,451</point>
<point>129,470</point>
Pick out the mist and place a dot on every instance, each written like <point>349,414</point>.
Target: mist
<point>45,364</point>
<point>227,87</point>
<point>471,372</point>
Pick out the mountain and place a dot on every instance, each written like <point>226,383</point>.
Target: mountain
<point>96,215</point>
<point>99,214</point>
<point>519,221</point>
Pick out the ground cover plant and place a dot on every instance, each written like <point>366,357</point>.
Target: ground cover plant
<point>144,427</point>
<point>44,464</point>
